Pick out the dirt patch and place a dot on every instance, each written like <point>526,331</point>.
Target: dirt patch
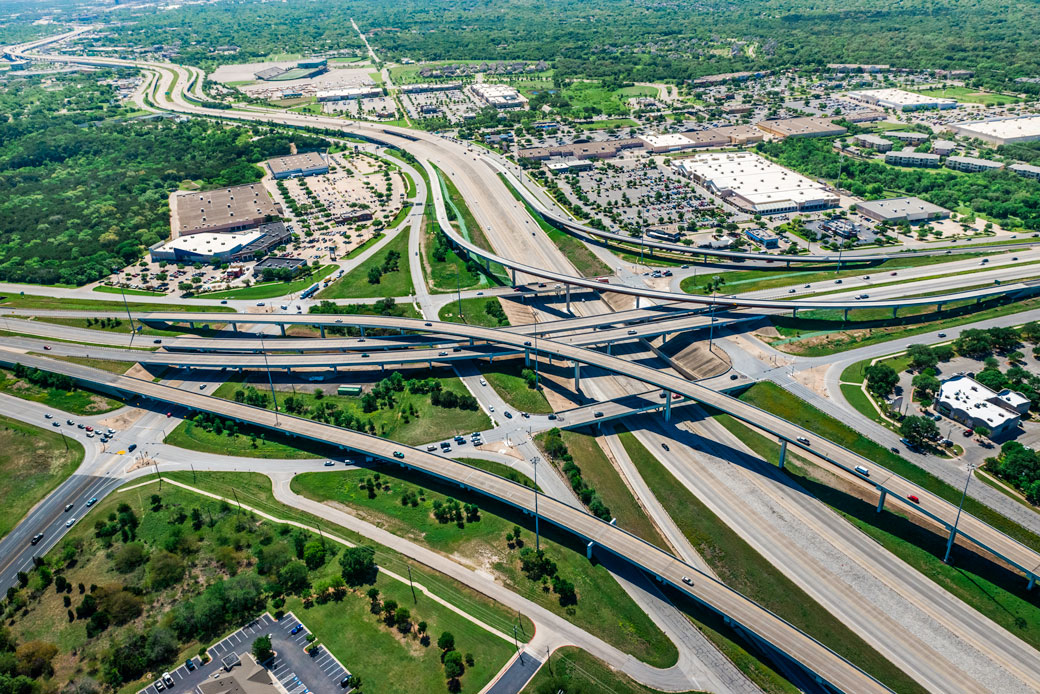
<point>123,418</point>
<point>702,363</point>
<point>813,379</point>
<point>766,332</point>
<point>493,448</point>
<point>517,313</point>
<point>619,302</point>
<point>138,371</point>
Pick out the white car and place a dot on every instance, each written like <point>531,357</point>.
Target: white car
<point>69,522</point>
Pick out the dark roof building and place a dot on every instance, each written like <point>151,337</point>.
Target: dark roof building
<point>307,164</point>
<point>223,209</point>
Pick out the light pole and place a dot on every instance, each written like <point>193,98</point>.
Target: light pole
<point>270,381</point>
<point>129,317</point>
<point>711,328</point>
<point>953,532</point>
<point>537,543</point>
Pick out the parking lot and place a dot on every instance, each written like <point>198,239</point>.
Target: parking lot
<point>296,670</point>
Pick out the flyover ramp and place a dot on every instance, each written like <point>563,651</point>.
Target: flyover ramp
<point>824,664</point>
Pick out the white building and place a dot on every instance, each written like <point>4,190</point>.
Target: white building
<point>500,96</point>
<point>349,93</point>
<point>1001,131</point>
<point>901,100</point>
<point>668,142</point>
<point>967,401</point>
<point>756,184</point>
<point>205,247</point>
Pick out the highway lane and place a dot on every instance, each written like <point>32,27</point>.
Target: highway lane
<point>797,645</point>
<point>1025,558</point>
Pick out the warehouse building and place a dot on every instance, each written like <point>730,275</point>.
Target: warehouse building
<point>972,164</point>
<point>801,127</point>
<point>756,184</point>
<point>1026,170</point>
<point>967,401</point>
<point>1001,131</point>
<point>669,142</point>
<point>308,164</point>
<point>874,142</point>
<point>901,100</point>
<point>348,93</point>
<point>431,87</point>
<point>235,246</point>
<point>908,157</point>
<point>500,96</point>
<point>724,137</point>
<point>569,165</point>
<point>902,209</point>
<point>581,150</point>
<point>224,209</point>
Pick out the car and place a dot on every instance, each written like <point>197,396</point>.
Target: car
<point>507,414</point>
<point>190,664</point>
<point>525,415</point>
<point>631,332</point>
<point>81,426</point>
<point>491,408</point>
<point>665,446</point>
<point>69,522</point>
<point>791,291</point>
<point>55,424</point>
<point>329,463</point>
<point>92,501</point>
<point>156,341</point>
<point>398,454</point>
<point>804,441</point>
<point>260,303</point>
<point>223,301</point>
<point>985,260</point>
<point>47,347</point>
<point>866,277</point>
<point>428,325</point>
<point>167,679</point>
<point>90,434</point>
<point>432,447</point>
<point>942,334</point>
<point>364,355</point>
<point>968,432</point>
<point>597,414</point>
<point>132,447</point>
<point>552,417</point>
<point>733,377</point>
<point>456,349</point>
<point>202,386</point>
<point>48,416</point>
<point>687,580</point>
<point>36,538</point>
<point>863,471</point>
<point>442,354</point>
<point>838,281</point>
<point>913,498</point>
<point>806,286</point>
<point>159,686</point>
<point>169,414</point>
<point>527,343</point>
<point>894,274</point>
<point>894,449</point>
<point>483,382</point>
<point>296,630</point>
<point>70,422</point>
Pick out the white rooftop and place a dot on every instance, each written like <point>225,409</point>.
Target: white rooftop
<point>1004,128</point>
<point>969,395</point>
<point>755,179</point>
<point>212,243</point>
<point>667,140</point>
<point>899,97</point>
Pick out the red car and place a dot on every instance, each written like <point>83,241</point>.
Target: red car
<point>914,498</point>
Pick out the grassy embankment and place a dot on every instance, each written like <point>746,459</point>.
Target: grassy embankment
<point>355,284</point>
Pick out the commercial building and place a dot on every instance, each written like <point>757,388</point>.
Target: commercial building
<point>348,93</point>
<point>308,164</point>
<point>853,67</point>
<point>581,150</point>
<point>943,147</point>
<point>669,142</point>
<point>1026,170</point>
<point>248,678</point>
<point>801,127</point>
<point>972,164</point>
<point>725,136</point>
<point>223,209</point>
<point>279,263</point>
<point>234,246</point>
<point>767,238</point>
<point>901,209</point>
<point>431,87</point>
<point>709,80</point>
<point>907,136</point>
<point>840,227</point>
<point>756,184</point>
<point>908,157</point>
<point>1000,131</point>
<point>874,142</point>
<point>967,401</point>
<point>569,165</point>
<point>500,96</point>
<point>901,100</point>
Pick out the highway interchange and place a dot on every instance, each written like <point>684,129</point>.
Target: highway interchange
<point>611,363</point>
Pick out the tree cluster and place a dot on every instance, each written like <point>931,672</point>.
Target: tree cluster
<point>556,449</point>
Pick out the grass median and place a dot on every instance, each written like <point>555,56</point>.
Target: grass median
<point>742,568</point>
<point>76,401</point>
<point>394,278</point>
<point>571,669</point>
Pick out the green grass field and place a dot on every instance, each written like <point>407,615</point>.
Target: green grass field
<point>607,124</point>
<point>73,401</point>
<point>603,607</point>
<point>473,312</point>
<point>571,669</point>
<point>429,423</point>
<point>500,469</point>
<point>355,284</point>
<point>504,376</point>
<point>742,568</point>
<point>270,290</point>
<point>54,303</point>
<point>194,438</point>
<point>105,289</point>
<point>972,96</point>
<point>33,461</point>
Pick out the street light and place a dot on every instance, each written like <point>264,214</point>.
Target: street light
<point>270,380</point>
<point>537,544</point>
<point>953,532</point>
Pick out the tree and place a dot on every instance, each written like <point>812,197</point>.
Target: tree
<point>34,659</point>
<point>921,356</point>
<point>129,557</point>
<point>881,379</point>
<point>358,565</point>
<point>926,385</point>
<point>314,554</point>
<point>446,642</point>
<point>164,569</point>
<point>982,432</point>
<point>262,649</point>
<point>293,577</point>
<point>918,430</point>
<point>453,665</point>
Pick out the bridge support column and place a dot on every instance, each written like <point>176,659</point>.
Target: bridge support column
<point>234,327</point>
<point>513,271</point>
<point>783,453</point>
<point>938,307</point>
<point>527,357</point>
<point>362,331</point>
<point>881,501</point>
<point>282,326</point>
<point>322,328</point>
<point>1032,581</point>
<point>588,550</point>
<point>577,377</point>
<point>191,324</point>
<point>794,313</point>
<point>610,345</point>
<point>668,406</point>
<point>382,368</point>
<point>895,311</point>
<point>568,298</point>
<point>487,265</point>
<point>335,369</point>
<point>846,316</point>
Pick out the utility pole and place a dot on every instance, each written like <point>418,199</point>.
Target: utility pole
<point>236,499</point>
<point>128,316</point>
<point>458,290</point>
<point>156,465</point>
<point>415,600</point>
<point>711,328</point>
<point>953,532</point>
<point>270,380</point>
<point>516,642</point>
<point>194,479</point>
